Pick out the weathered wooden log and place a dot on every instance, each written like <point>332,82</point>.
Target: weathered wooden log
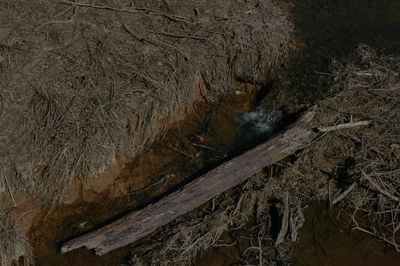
<point>233,172</point>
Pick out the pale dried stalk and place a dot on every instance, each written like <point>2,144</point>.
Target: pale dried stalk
<point>343,126</point>
<point>285,222</point>
<point>344,194</point>
<point>378,188</point>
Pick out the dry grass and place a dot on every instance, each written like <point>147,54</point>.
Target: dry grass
<point>369,88</point>
<point>13,244</point>
<point>84,82</point>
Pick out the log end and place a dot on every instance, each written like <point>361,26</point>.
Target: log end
<point>73,244</point>
<point>99,250</point>
<point>66,248</point>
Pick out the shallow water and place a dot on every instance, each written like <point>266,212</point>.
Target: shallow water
<point>323,241</point>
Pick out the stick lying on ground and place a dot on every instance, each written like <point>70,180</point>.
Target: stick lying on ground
<point>343,126</point>
<point>140,223</point>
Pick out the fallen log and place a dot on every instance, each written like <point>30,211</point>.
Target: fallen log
<point>140,223</point>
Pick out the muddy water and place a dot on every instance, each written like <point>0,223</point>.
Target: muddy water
<point>323,241</point>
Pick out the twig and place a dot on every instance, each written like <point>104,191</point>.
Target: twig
<point>53,204</point>
<point>209,148</point>
<point>176,35</point>
<point>237,205</point>
<point>357,227</point>
<point>323,73</point>
<point>9,188</point>
<point>344,194</point>
<point>130,31</point>
<point>55,22</point>
<point>260,251</point>
<point>329,192</point>
<point>74,7</point>
<point>225,244</point>
<point>296,221</point>
<point>343,126</point>
<point>364,73</point>
<point>64,11</point>
<point>285,223</point>
<point>130,10</point>
<point>184,153</point>
<point>148,187</point>
<point>379,189</point>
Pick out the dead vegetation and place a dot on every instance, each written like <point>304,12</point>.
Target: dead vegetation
<point>368,158</point>
<point>13,244</point>
<point>355,168</point>
<point>85,81</point>
<point>82,82</point>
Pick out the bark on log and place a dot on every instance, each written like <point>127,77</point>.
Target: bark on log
<point>140,223</point>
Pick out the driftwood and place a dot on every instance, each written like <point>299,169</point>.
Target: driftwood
<point>140,223</point>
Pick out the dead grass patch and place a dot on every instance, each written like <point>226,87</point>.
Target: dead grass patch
<point>84,81</point>
<point>14,246</point>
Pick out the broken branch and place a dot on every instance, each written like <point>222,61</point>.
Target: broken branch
<point>378,188</point>
<point>344,194</point>
<point>125,10</point>
<point>285,222</point>
<point>343,126</point>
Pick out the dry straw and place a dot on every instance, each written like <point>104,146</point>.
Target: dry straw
<point>85,81</point>
<point>13,244</point>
